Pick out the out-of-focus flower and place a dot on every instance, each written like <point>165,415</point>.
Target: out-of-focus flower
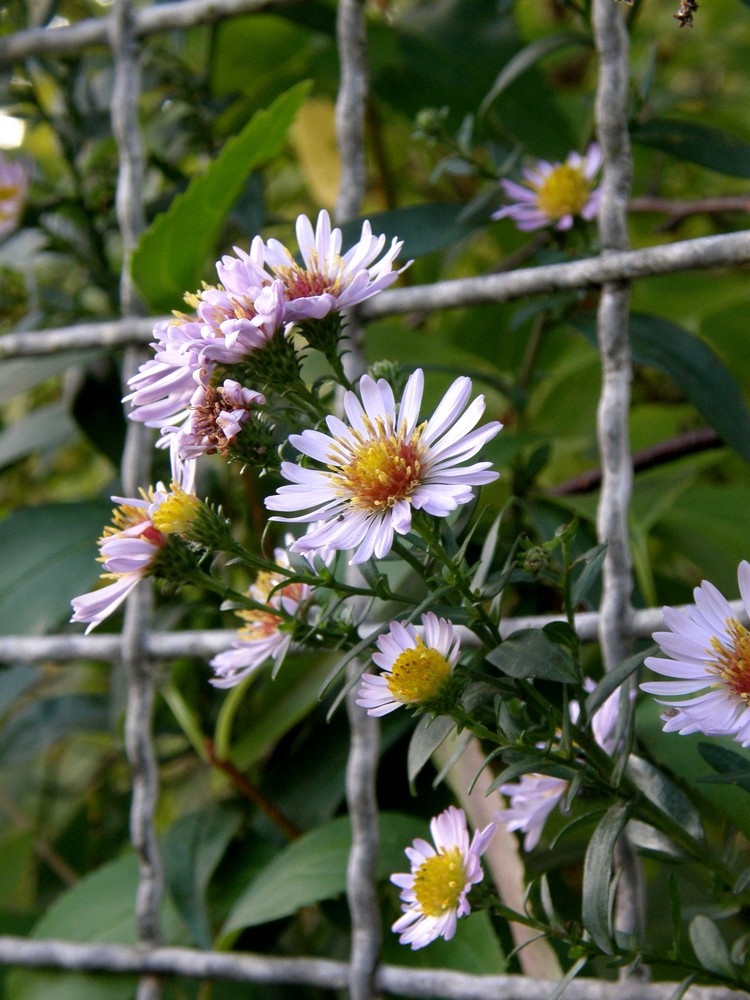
<point>129,549</point>
<point>554,193</point>
<point>14,184</point>
<point>417,668</point>
<point>383,464</point>
<point>535,796</point>
<point>709,648</point>
<point>435,893</point>
<point>262,637</point>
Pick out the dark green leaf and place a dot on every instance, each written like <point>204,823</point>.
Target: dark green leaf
<point>172,253</point>
<point>423,228</point>
<point>597,876</point>
<point>41,724</point>
<point>98,411</point>
<point>709,946</point>
<point>192,848</point>
<point>41,430</point>
<point>733,768</point>
<point>313,868</point>
<point>702,144</point>
<point>49,557</point>
<point>613,679</point>
<point>529,653</point>
<point>699,372</point>
<point>592,568</point>
<point>428,734</point>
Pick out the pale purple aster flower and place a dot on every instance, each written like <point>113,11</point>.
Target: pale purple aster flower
<point>709,648</point>
<point>14,184</point>
<point>554,193</point>
<point>435,893</point>
<point>127,549</point>
<point>261,637</point>
<point>328,280</point>
<point>214,418</point>
<point>535,796</point>
<point>382,464</point>
<point>416,665</point>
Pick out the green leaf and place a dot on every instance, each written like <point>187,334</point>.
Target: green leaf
<point>423,228</point>
<point>613,679</point>
<point>475,949</point>
<point>43,429</point>
<point>709,946</point>
<point>313,868</point>
<point>525,59</point>
<point>172,253</point>
<point>428,735</point>
<point>529,653</point>
<point>702,144</point>
<point>733,768</point>
<point>592,561</point>
<point>699,372</point>
<point>665,794</point>
<point>192,848</point>
<point>17,376</point>
<point>43,723</point>
<point>99,908</point>
<point>49,557</point>
<point>597,875</point>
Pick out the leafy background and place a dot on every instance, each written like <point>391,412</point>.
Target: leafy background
<point>238,122</point>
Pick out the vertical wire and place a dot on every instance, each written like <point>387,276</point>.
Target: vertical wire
<point>364,747</point>
<point>612,45</point>
<point>135,471</point>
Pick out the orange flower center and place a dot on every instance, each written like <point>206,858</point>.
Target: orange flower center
<point>732,663</point>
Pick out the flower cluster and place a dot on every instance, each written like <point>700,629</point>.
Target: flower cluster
<point>553,194</point>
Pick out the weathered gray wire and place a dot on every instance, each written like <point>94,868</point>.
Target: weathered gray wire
<point>150,21</point>
<point>325,973</point>
<point>135,469</point>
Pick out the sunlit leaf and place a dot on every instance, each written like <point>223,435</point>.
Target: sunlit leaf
<point>597,876</point>
<point>709,946</point>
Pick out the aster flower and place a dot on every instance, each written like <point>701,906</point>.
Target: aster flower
<point>129,549</point>
<point>535,796</point>
<point>382,464</point>
<point>215,417</point>
<point>708,649</point>
<point>435,893</point>
<point>554,193</point>
<point>261,637</point>
<point>417,668</point>
<point>13,187</point>
<point>328,280</point>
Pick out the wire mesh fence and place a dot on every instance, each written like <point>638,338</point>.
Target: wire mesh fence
<point>140,648</point>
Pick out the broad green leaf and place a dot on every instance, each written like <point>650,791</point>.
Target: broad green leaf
<point>529,653</point>
<point>592,563</point>
<point>597,876</point>
<point>99,908</point>
<point>699,372</point>
<point>428,735</point>
<point>172,253</point>
<point>49,557</point>
<point>42,723</point>
<point>709,946</point>
<point>475,949</point>
<point>192,848</point>
<point>687,140</point>
<point>313,868</point>
<point>43,429</point>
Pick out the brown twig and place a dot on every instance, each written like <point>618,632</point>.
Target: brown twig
<point>689,443</point>
<point>250,792</point>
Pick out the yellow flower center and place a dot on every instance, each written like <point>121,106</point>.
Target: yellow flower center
<point>564,191</point>
<point>385,467</point>
<point>419,674</point>
<point>439,882</point>
<point>261,624</point>
<point>732,663</point>
<point>176,513</point>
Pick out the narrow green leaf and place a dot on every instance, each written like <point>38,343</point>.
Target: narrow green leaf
<point>172,253</point>
<point>665,794</point>
<point>699,372</point>
<point>313,868</point>
<point>592,562</point>
<point>525,59</point>
<point>427,736</point>
<point>710,147</point>
<point>529,653</point>
<point>709,946</point>
<point>733,768</point>
<point>613,679</point>
<point>597,875</point>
